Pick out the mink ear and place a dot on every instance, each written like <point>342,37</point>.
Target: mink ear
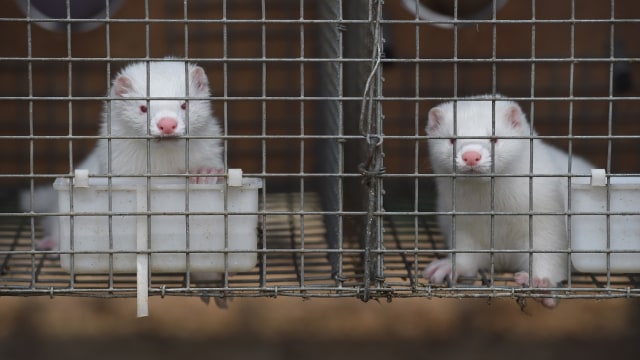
<point>199,80</point>
<point>515,117</point>
<point>122,86</point>
<point>436,116</point>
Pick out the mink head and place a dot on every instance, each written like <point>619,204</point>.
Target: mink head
<point>489,136</point>
<point>172,103</point>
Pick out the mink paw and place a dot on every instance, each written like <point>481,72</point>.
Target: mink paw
<point>522,279</point>
<point>438,271</point>
<point>48,243</point>
<point>206,179</point>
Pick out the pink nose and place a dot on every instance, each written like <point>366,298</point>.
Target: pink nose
<point>471,158</point>
<point>167,125</point>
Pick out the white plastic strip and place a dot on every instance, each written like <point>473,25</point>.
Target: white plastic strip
<point>81,178</point>
<point>235,177</point>
<point>598,177</point>
<point>142,259</point>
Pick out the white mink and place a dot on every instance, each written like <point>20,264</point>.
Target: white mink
<point>491,149</point>
<point>168,116</point>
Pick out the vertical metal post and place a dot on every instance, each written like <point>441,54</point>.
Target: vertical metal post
<point>331,120</point>
<point>354,128</point>
<point>366,43</point>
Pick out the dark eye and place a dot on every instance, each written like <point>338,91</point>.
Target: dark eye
<point>452,141</point>
<point>183,106</point>
<point>143,108</point>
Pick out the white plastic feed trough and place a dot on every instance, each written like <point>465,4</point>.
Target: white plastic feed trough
<point>110,224</point>
<point>600,248</point>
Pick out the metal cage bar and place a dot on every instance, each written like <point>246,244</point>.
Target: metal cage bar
<point>326,104</point>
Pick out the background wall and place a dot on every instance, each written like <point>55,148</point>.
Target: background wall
<point>240,84</point>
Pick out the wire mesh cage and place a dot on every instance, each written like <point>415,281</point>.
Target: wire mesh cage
<point>323,105</point>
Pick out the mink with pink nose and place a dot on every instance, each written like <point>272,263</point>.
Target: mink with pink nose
<point>153,108</point>
<point>487,158</point>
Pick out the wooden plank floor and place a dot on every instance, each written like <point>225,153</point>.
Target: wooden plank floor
<point>292,262</point>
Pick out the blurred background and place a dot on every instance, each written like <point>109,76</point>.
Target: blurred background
<point>292,328</point>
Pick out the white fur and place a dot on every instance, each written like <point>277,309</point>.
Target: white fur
<point>475,118</point>
<point>167,154</point>
<point>122,117</point>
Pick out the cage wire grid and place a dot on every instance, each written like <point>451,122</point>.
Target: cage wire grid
<point>346,230</point>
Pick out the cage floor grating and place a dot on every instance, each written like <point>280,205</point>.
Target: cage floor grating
<point>293,262</point>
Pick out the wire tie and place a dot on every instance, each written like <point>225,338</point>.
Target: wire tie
<point>379,139</point>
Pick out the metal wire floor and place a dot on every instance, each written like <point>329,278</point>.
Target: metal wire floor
<point>292,262</point>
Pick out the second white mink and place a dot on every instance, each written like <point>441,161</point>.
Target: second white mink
<point>482,148</point>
